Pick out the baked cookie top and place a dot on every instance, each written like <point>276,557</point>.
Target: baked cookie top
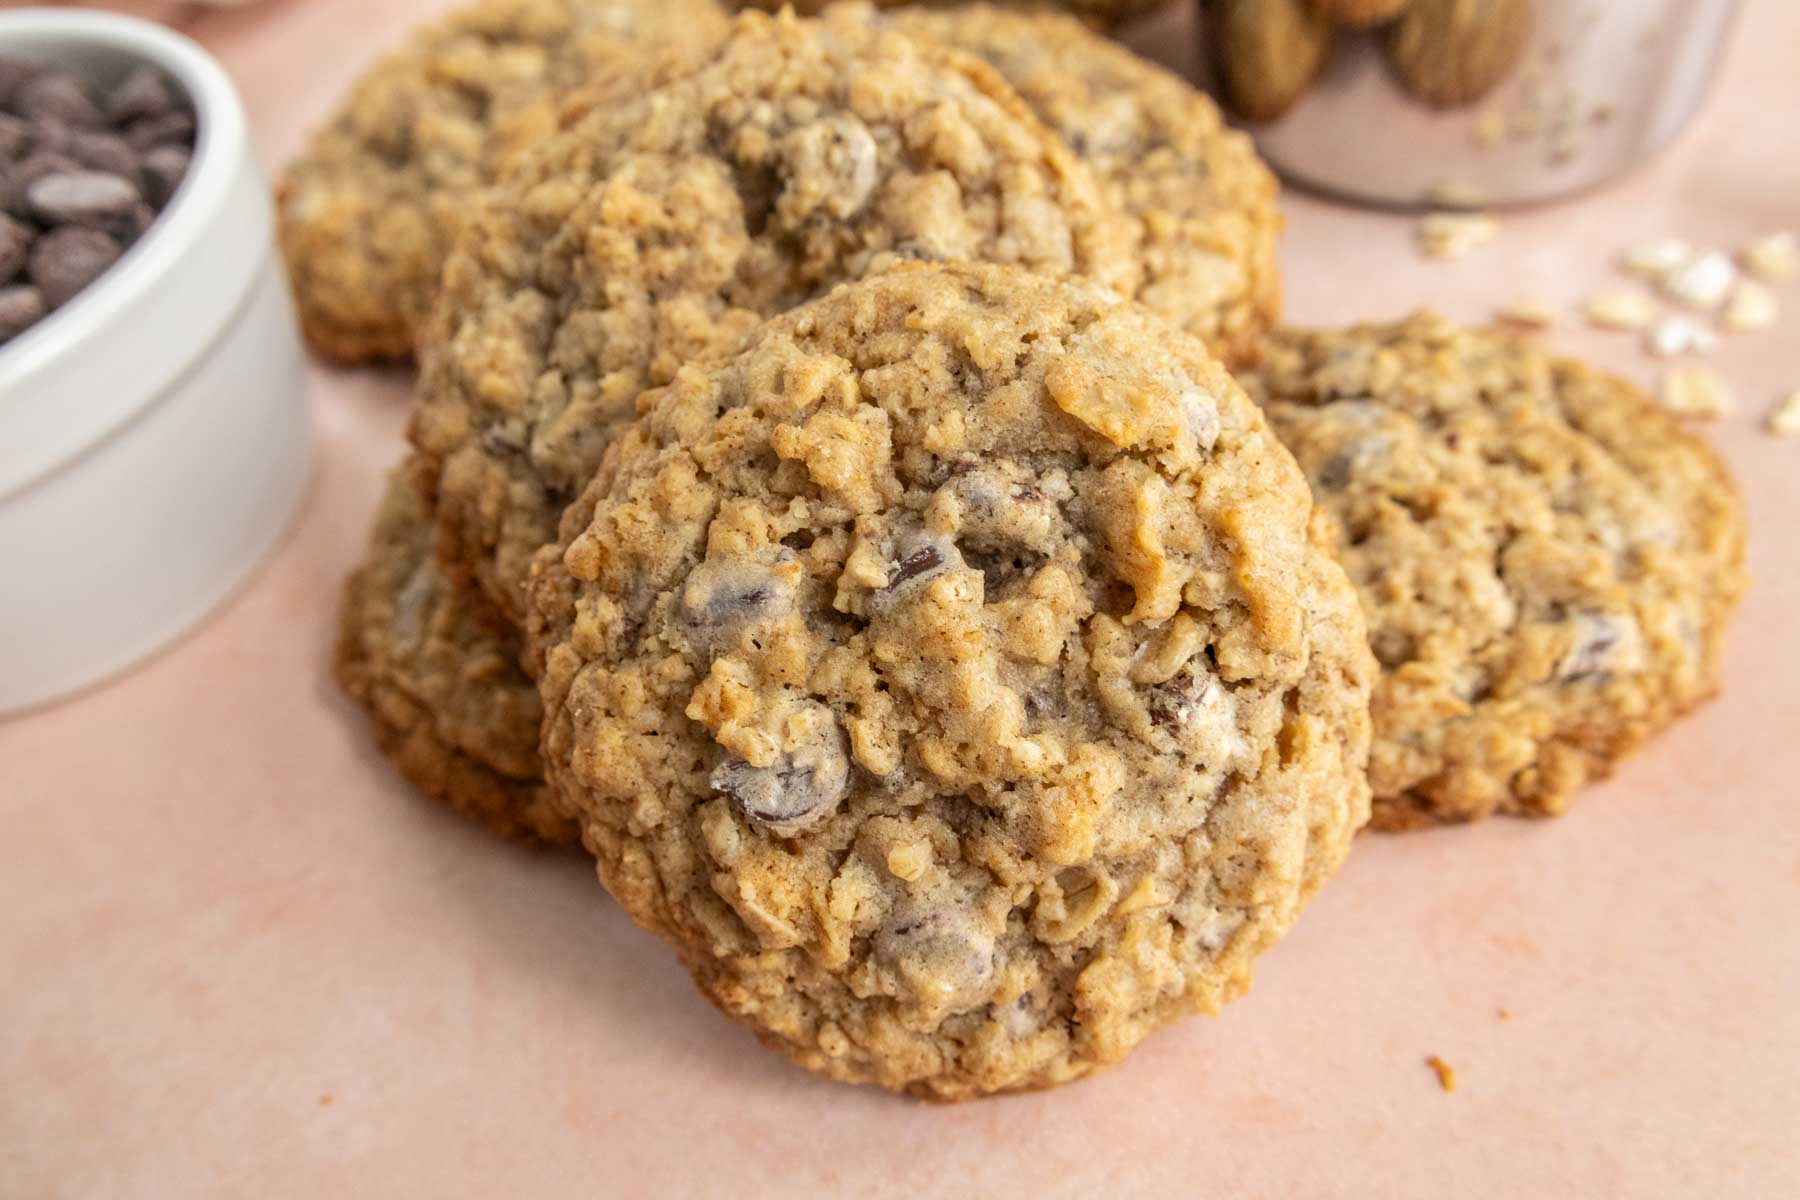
<point>1202,205</point>
<point>437,672</point>
<point>955,678</point>
<point>1546,558</point>
<point>663,226</point>
<point>368,212</point>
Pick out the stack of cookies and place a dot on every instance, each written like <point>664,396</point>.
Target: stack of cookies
<point>859,493</point>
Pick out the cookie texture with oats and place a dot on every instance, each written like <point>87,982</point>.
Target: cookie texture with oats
<point>1547,560</point>
<point>437,672</point>
<point>1201,204</point>
<point>368,212</point>
<point>662,228</point>
<point>957,678</point>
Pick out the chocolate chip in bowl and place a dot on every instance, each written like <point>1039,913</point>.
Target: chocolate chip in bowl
<point>84,171</point>
<point>154,435</point>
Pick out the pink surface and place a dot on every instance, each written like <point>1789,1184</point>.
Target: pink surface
<point>242,959</point>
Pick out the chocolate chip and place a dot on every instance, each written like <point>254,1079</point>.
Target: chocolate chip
<point>60,96</point>
<point>20,308</point>
<point>1605,643</point>
<point>942,951</point>
<point>15,137</point>
<point>170,129</point>
<point>785,797</point>
<point>15,73</point>
<point>49,135</point>
<point>142,93</point>
<point>104,152</point>
<point>66,260</point>
<point>1199,713</point>
<point>74,193</point>
<point>797,791</point>
<point>926,560</point>
<point>1335,474</point>
<point>133,224</point>
<point>1174,704</point>
<point>163,169</point>
<point>15,247</point>
<point>82,198</point>
<point>731,595</point>
<point>725,606</point>
<point>18,178</point>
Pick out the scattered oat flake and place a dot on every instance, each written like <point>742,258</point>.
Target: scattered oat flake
<point>1657,257</point>
<point>1677,335</point>
<point>1703,283</point>
<point>1773,256</point>
<point>1623,308</point>
<point>1455,193</point>
<point>1784,418</point>
<point>1490,129</point>
<point>1451,235</point>
<point>1696,391</point>
<point>1446,1074</point>
<point>1527,312</point>
<point>1751,307</point>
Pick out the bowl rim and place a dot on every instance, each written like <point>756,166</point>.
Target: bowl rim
<point>213,182</point>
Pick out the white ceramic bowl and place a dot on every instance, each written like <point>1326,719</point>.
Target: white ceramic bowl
<point>154,436</point>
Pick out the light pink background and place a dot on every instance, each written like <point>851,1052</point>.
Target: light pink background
<point>240,958</point>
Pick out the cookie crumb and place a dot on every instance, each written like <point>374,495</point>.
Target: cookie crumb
<point>1446,1074</point>
<point>1504,1014</point>
<point>325,1100</point>
<point>1703,283</point>
<point>1696,391</point>
<point>1677,335</point>
<point>1452,235</point>
<point>1751,307</point>
<point>1658,257</point>
<point>1622,308</point>
<point>1784,418</point>
<point>1527,312</point>
<point>1773,257</point>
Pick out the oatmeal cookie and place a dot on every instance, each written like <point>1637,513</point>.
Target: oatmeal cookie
<point>956,677</point>
<point>1202,205</point>
<point>1546,559</point>
<point>368,212</point>
<point>663,228</point>
<point>1266,53</point>
<point>437,672</point>
<point>1450,53</point>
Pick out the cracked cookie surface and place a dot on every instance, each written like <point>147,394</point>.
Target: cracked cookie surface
<point>1201,204</point>
<point>437,673</point>
<point>1547,559</point>
<point>957,677</point>
<point>664,227</point>
<point>368,212</point>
